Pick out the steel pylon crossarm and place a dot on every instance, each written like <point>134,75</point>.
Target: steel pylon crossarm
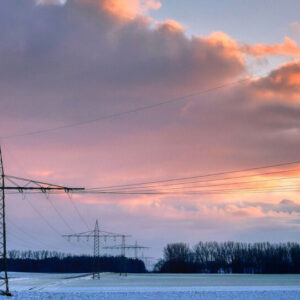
<point>20,184</point>
<point>125,246</point>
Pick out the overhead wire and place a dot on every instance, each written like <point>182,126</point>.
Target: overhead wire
<point>78,212</point>
<point>20,240</point>
<point>125,192</point>
<point>63,219</point>
<point>46,221</point>
<point>213,185</point>
<point>42,217</point>
<point>198,176</point>
<point>34,239</point>
<point>130,111</point>
<point>212,192</point>
<point>59,214</point>
<point>171,186</point>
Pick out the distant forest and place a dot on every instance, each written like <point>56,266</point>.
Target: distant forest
<point>57,262</point>
<point>231,257</point>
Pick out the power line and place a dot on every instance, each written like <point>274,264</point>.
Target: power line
<point>141,108</point>
<point>62,217</point>
<point>42,217</point>
<point>141,189</point>
<point>59,214</point>
<point>78,212</point>
<point>45,220</point>
<point>215,185</point>
<point>200,190</point>
<point>187,184</point>
<point>32,237</point>
<point>195,176</point>
<point>20,239</point>
<point>183,193</point>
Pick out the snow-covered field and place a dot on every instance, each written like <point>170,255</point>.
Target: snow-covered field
<point>154,286</point>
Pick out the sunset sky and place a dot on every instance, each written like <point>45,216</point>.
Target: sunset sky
<point>67,62</point>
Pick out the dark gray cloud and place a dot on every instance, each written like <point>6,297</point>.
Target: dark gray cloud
<point>74,58</point>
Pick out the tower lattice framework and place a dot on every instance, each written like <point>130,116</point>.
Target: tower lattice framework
<point>4,277</point>
<point>96,273</point>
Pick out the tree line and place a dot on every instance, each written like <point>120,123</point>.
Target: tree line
<point>58,262</point>
<point>231,257</point>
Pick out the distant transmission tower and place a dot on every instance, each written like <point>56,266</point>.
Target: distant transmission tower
<point>125,247</point>
<point>20,185</point>
<point>96,270</point>
<point>96,234</point>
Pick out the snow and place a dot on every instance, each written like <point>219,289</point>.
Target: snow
<point>153,286</point>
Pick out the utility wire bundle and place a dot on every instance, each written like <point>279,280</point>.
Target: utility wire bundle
<point>281,177</point>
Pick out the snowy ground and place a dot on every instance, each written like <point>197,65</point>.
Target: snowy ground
<point>154,286</point>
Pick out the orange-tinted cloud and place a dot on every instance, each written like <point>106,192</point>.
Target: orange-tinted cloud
<point>170,26</point>
<point>289,47</point>
<point>225,43</point>
<point>125,9</point>
<point>283,82</point>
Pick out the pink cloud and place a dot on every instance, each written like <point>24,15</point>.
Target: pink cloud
<point>125,9</point>
<point>289,47</point>
<point>283,82</point>
<point>40,173</point>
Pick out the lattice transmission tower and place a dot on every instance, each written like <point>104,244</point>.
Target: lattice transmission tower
<point>11,185</point>
<point>96,234</point>
<point>123,247</point>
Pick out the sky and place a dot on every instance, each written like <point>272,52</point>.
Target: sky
<point>248,21</point>
<point>68,62</point>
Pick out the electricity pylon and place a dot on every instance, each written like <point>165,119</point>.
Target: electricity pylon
<point>19,185</point>
<point>125,247</point>
<point>96,251</point>
<point>137,247</point>
<point>96,234</point>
